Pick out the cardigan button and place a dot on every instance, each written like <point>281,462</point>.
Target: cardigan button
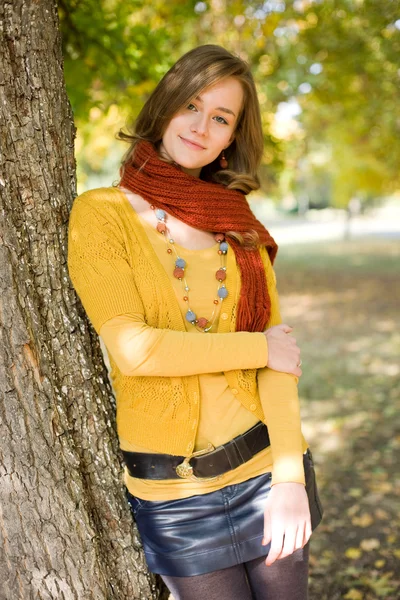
<point>224,316</point>
<point>253,406</point>
<point>234,391</point>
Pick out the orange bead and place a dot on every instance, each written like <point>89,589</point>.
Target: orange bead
<point>216,301</point>
<point>185,298</point>
<point>220,275</point>
<point>169,251</point>
<point>178,272</point>
<point>202,322</point>
<point>161,227</point>
<point>219,237</point>
<point>219,251</point>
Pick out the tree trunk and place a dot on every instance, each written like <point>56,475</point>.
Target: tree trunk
<point>65,527</point>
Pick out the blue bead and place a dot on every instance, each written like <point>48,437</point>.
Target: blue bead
<point>223,246</point>
<point>222,292</point>
<point>190,316</point>
<point>160,213</point>
<point>180,262</point>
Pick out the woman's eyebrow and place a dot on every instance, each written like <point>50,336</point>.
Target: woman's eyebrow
<point>222,108</point>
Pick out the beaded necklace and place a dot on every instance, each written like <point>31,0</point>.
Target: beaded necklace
<point>201,324</point>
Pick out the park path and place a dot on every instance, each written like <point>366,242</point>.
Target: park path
<point>329,224</point>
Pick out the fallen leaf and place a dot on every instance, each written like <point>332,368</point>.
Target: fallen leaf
<point>370,544</point>
<point>355,492</point>
<point>353,594</point>
<point>353,553</point>
<point>364,521</point>
<point>382,514</point>
<point>386,486</point>
<point>353,509</point>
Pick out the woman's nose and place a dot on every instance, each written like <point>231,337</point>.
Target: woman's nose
<point>200,125</point>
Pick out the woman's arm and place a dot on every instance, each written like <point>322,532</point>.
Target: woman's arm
<point>279,398</point>
<point>103,279</point>
<point>287,523</point>
<point>138,349</point>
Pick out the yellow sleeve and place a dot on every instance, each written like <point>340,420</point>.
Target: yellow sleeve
<point>103,279</point>
<point>138,349</point>
<point>279,398</point>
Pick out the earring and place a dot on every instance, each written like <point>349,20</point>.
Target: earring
<point>222,161</point>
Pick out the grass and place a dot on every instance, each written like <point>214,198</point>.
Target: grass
<point>343,299</point>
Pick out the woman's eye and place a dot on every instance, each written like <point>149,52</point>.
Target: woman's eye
<point>222,120</point>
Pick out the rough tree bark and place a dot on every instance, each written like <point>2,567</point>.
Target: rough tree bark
<point>65,529</point>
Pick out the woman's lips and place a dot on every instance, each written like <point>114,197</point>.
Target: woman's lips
<point>191,145</point>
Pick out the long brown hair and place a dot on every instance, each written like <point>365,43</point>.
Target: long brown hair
<point>196,70</point>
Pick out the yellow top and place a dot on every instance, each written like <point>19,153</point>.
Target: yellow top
<point>174,385</point>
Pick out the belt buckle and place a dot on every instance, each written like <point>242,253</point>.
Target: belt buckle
<point>185,469</point>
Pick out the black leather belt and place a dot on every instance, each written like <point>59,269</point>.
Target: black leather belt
<point>203,465</point>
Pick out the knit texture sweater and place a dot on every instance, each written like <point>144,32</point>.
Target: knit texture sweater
<point>155,373</point>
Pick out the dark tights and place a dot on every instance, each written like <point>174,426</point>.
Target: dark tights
<point>286,579</point>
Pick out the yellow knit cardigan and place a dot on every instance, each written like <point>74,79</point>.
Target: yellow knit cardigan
<point>115,271</point>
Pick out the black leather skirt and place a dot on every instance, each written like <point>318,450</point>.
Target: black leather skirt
<point>213,531</point>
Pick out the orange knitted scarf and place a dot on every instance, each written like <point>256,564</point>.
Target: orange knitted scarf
<point>210,207</point>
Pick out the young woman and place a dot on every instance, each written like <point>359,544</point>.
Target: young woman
<point>175,273</point>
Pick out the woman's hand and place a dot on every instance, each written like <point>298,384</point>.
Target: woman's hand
<point>283,352</point>
<point>287,520</point>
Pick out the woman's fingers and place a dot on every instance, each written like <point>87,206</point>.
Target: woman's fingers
<point>285,328</point>
<point>267,528</point>
<point>297,371</point>
<point>289,543</point>
<point>307,531</point>
<point>283,352</point>
<point>276,543</point>
<point>300,537</point>
<point>287,520</point>
<point>285,541</point>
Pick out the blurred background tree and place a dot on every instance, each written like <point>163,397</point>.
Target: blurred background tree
<point>327,74</point>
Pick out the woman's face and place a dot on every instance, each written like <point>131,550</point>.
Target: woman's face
<point>199,132</point>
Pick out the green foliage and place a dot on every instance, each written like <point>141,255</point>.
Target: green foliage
<point>352,106</point>
<point>115,51</point>
<point>336,61</point>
